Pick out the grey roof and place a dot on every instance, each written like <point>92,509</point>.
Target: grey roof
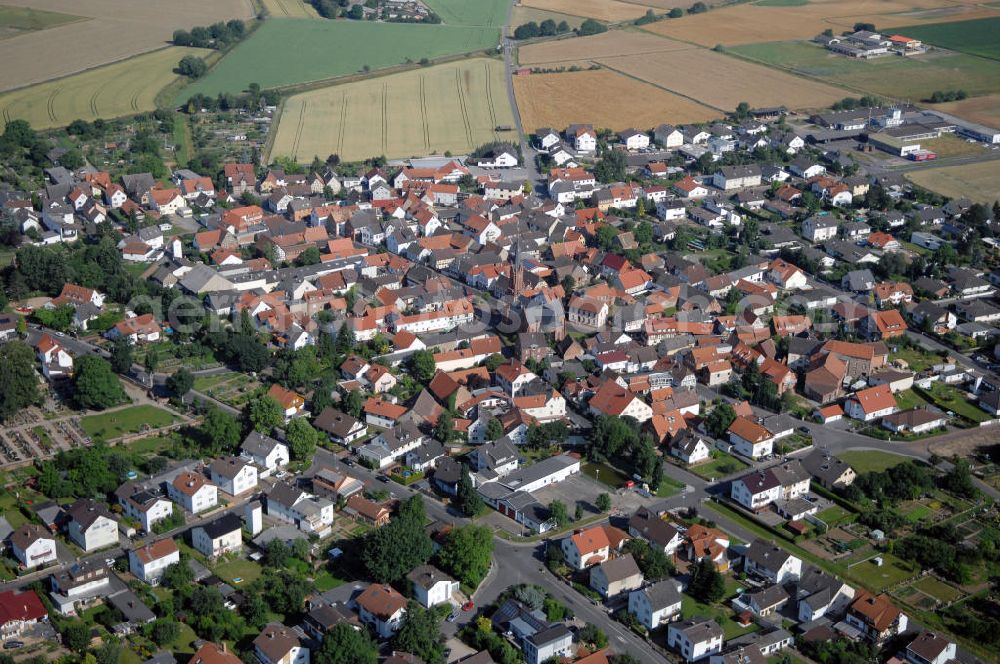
<point>539,470</point>
<point>699,629</point>
<point>768,597</point>
<point>825,467</point>
<point>258,444</point>
<point>133,608</point>
<point>426,576</point>
<point>224,525</point>
<point>766,555</point>
<point>790,472</point>
<point>549,635</point>
<point>662,594</point>
<point>620,568</point>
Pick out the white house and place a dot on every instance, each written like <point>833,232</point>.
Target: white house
<point>587,547</point>
<point>91,525</point>
<point>265,451</point>
<point>431,586</point>
<point>234,475</point>
<point>148,563</point>
<point>819,229</point>
<point>33,545</point>
<point>278,644</point>
<point>633,139</point>
<point>771,562</point>
<point>756,489</point>
<point>656,604</point>
<point>871,403</point>
<point>930,648</point>
<point>695,638</point>
<point>147,506</point>
<point>749,438</point>
<point>307,512</point>
<point>382,608</point>
<point>193,492</point>
<point>689,447</point>
<point>224,535</point>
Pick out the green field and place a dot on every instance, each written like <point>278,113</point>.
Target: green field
<point>871,461</point>
<point>15,20</point>
<point>123,88</point>
<point>952,399</point>
<point>286,51</point>
<point>892,571</point>
<point>718,467</point>
<point>451,107</point>
<point>976,37</point>
<point>937,589</point>
<point>912,78</point>
<point>127,420</point>
<point>492,13</point>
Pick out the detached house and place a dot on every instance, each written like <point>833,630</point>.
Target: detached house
<point>749,438</point>
<point>381,608</point>
<point>871,403</point>
<point>585,548</point>
<point>695,638</point>
<point>224,535</point>
<point>771,562</point>
<point>33,546</point>
<point>234,475</point>
<point>431,586</point>
<point>876,617</point>
<point>193,492</point>
<point>616,576</point>
<point>91,525</point>
<point>148,563</point>
<point>656,604</point>
<point>266,452</point>
<point>729,178</point>
<point>278,644</point>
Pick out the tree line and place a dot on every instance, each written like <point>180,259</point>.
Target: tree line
<point>218,35</point>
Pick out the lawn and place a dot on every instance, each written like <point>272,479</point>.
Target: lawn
<point>908,399</point>
<point>952,399</point>
<point>892,571</point>
<point>917,359</point>
<point>605,474</point>
<point>329,49</point>
<point>979,182</point>
<point>10,510</point>
<point>128,420</point>
<point>834,515</point>
<point>238,568</point>
<point>153,445</point>
<point>937,589</point>
<point>123,88</point>
<point>872,461</point>
<point>452,107</point>
<point>977,37</point>
<point>326,581</point>
<point>916,512</point>
<point>718,467</point>
<point>690,607</point>
<point>669,487</point>
<point>912,78</point>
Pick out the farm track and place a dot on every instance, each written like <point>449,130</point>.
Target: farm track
<point>423,113</point>
<point>463,106</point>
<point>343,123</point>
<point>385,118</point>
<point>489,99</point>
<point>298,127</point>
<point>50,105</point>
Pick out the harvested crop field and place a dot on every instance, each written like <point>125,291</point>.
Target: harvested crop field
<point>911,78</point>
<point>977,182</point>
<point>722,82</point>
<point>123,88</point>
<point>290,9</point>
<point>751,23</point>
<point>609,11</point>
<point>984,110</point>
<point>454,107</point>
<point>585,50</point>
<point>120,29</point>
<point>287,51</point>
<point>602,98</point>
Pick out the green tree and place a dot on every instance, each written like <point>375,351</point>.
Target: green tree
<point>345,645</point>
<point>391,552</point>
<point>192,67</point>
<point>264,414</point>
<point>707,584</point>
<point>422,365</point>
<point>420,634</point>
<point>18,381</point>
<point>467,499</point>
<point>309,257</point>
<point>466,554</point>
<point>353,403</point>
<point>221,430</point>
<point>719,419</point>
<point>75,635</point>
<point>557,510</point>
<point>302,439</point>
<point>96,385</point>
<point>180,382</point>
<point>164,631</point>
<point>494,429</point>
<point>444,430</point>
<point>592,635</point>
<point>121,355</point>
<point>604,502</point>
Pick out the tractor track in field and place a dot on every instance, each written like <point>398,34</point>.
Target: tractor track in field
<point>298,130</point>
<point>463,106</point>
<point>343,119</point>
<point>489,97</point>
<point>423,114</point>
<point>50,105</point>
<point>385,118</point>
